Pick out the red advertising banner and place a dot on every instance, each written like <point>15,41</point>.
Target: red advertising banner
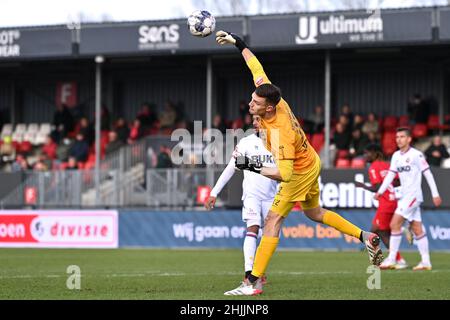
<point>67,93</point>
<point>59,229</point>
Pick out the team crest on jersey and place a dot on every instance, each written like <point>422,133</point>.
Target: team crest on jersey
<point>259,81</point>
<point>407,160</point>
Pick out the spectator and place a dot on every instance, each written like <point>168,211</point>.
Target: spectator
<point>62,152</point>
<point>343,120</point>
<point>114,143</point>
<point>46,160</point>
<point>164,160</point>
<point>147,116</point>
<point>168,116</point>
<point>358,122</point>
<point>317,119</point>
<point>417,110</point>
<point>63,122</point>
<point>136,131</point>
<point>371,124</point>
<point>87,130</point>
<point>40,166</point>
<point>49,148</point>
<point>72,164</point>
<point>20,164</point>
<point>219,124</point>
<point>341,139</point>
<point>358,143</point>
<point>7,150</point>
<point>346,111</point>
<point>123,132</point>
<point>436,152</point>
<point>80,149</point>
<point>372,138</point>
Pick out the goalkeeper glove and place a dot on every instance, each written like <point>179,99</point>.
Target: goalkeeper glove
<point>224,37</point>
<point>245,163</point>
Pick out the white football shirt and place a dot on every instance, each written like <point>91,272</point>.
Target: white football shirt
<point>254,184</point>
<point>410,165</point>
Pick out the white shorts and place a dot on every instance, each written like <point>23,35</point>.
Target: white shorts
<point>254,211</point>
<point>409,209</point>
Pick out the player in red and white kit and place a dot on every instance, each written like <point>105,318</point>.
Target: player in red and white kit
<point>387,203</point>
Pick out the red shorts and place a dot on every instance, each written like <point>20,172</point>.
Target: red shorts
<point>383,219</point>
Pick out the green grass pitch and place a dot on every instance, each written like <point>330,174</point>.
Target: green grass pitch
<point>206,274</point>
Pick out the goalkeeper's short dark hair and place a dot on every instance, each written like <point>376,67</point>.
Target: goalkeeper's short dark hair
<point>269,91</point>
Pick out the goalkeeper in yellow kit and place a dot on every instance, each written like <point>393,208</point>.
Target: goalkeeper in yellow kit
<point>298,169</point>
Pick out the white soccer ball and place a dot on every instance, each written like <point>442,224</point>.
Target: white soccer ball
<point>201,23</point>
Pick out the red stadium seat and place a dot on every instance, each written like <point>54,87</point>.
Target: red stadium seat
<point>388,143</point>
<point>403,121</point>
<point>342,164</point>
<point>433,122</point>
<point>420,130</point>
<point>317,141</point>
<point>358,163</point>
<point>25,147</point>
<point>342,154</point>
<point>390,123</point>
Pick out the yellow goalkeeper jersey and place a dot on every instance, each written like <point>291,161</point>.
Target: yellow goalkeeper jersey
<point>285,137</point>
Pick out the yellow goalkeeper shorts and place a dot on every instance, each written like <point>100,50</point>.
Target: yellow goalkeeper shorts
<point>303,187</point>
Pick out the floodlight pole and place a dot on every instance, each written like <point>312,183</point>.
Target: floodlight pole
<point>209,81</point>
<point>98,100</point>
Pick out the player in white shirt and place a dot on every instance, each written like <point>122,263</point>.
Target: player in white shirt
<point>410,164</point>
<point>257,191</point>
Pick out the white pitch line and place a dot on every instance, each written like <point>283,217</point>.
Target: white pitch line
<point>202,274</point>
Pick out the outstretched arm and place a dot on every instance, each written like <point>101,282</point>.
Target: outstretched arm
<point>259,76</point>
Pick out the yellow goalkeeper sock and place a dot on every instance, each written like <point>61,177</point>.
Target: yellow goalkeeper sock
<point>265,251</point>
<point>336,221</point>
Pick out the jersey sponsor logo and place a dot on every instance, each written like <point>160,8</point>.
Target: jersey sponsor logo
<point>404,169</point>
<point>263,158</point>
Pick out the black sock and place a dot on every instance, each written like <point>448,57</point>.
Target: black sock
<point>361,236</point>
<point>247,273</point>
<point>252,278</point>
